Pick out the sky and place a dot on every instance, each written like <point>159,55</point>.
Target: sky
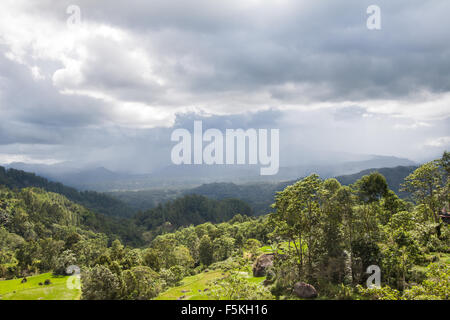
<point>108,88</point>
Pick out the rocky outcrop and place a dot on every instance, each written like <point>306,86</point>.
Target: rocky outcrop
<point>262,263</point>
<point>304,290</point>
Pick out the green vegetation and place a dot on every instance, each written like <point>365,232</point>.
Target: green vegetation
<point>320,233</point>
<point>192,287</point>
<point>97,202</point>
<point>190,209</point>
<point>35,289</point>
<point>259,196</point>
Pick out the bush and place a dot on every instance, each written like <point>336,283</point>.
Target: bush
<point>235,287</point>
<point>383,293</point>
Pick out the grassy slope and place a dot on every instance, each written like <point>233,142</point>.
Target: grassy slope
<point>192,285</point>
<point>31,290</point>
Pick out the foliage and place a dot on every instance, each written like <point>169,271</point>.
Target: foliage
<point>234,287</point>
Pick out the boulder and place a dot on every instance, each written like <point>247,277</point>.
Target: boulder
<point>262,263</point>
<point>304,290</point>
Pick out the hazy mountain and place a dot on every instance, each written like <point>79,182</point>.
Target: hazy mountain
<point>186,176</point>
<point>258,195</point>
<point>394,177</point>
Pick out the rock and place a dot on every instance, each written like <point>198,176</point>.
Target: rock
<point>304,290</point>
<point>184,291</point>
<point>267,282</point>
<point>262,263</point>
<point>47,282</point>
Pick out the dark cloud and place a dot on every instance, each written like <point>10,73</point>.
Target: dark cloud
<point>311,68</point>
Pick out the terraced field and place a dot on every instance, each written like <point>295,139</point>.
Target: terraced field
<point>31,290</point>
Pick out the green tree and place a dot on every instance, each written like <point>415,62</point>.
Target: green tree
<point>425,184</point>
<point>372,187</point>
<point>206,250</point>
<point>100,283</point>
<point>151,258</point>
<point>223,247</point>
<point>298,213</point>
<point>141,283</point>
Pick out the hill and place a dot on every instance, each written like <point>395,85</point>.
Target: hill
<point>97,202</point>
<point>34,289</point>
<point>394,177</point>
<point>190,210</point>
<point>34,213</point>
<point>171,176</point>
<point>259,196</point>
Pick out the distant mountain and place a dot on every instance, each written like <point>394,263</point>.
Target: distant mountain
<point>394,177</point>
<point>97,202</point>
<point>258,195</point>
<point>188,176</point>
<point>71,175</point>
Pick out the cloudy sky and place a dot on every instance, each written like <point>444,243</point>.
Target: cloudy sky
<point>110,89</point>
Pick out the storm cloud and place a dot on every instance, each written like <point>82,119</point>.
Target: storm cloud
<point>111,89</point>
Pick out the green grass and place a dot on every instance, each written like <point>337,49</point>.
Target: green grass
<point>192,285</point>
<point>443,257</point>
<point>31,290</point>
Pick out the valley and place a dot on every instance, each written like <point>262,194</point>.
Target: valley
<point>220,241</point>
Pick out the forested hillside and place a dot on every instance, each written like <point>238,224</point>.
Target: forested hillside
<point>321,235</point>
<point>394,177</point>
<point>98,202</point>
<point>190,210</point>
<point>34,213</point>
<point>258,195</point>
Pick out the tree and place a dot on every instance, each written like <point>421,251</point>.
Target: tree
<point>117,250</point>
<point>298,215</point>
<point>425,183</point>
<point>331,238</point>
<point>99,283</point>
<point>151,258</point>
<point>183,257</point>
<point>223,247</point>
<point>372,187</point>
<point>131,258</point>
<point>252,246</point>
<point>206,250</point>
<point>64,260</point>
<point>345,200</point>
<point>141,283</point>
